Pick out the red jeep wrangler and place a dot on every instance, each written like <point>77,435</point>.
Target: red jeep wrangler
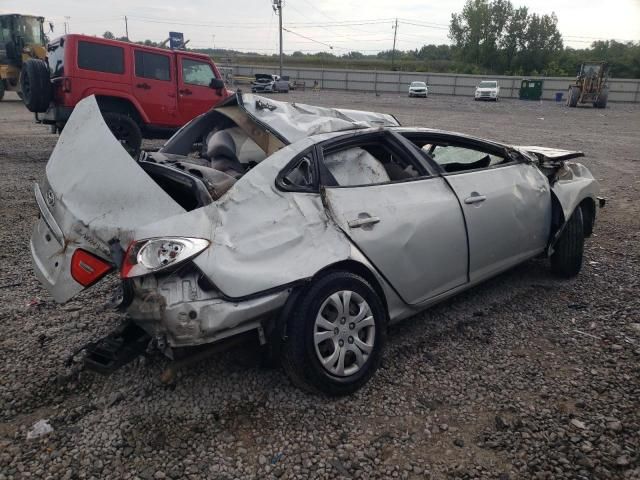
<point>142,91</point>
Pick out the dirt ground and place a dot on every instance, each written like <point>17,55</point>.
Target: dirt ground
<point>525,376</point>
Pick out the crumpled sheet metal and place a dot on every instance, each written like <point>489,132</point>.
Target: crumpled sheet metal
<point>99,183</point>
<point>574,184</point>
<point>262,238</point>
<point>295,121</point>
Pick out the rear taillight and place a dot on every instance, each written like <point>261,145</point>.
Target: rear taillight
<point>66,85</point>
<point>87,269</point>
<point>153,254</point>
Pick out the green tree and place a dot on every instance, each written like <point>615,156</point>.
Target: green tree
<point>108,35</point>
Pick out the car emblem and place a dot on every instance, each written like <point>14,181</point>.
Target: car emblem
<point>51,198</point>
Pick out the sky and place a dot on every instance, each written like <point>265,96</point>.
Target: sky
<point>338,26</point>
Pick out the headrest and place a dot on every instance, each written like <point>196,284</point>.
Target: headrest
<point>221,144</point>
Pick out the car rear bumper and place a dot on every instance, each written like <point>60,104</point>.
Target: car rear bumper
<point>178,311</point>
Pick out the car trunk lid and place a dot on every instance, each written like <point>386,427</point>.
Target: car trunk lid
<point>94,192</point>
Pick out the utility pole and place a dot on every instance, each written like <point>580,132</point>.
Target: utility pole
<point>393,52</point>
<point>277,7</point>
<point>67,28</point>
<point>126,27</point>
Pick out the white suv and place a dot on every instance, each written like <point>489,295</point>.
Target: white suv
<point>487,90</point>
<point>418,89</point>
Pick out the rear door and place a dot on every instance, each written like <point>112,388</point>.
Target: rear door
<point>406,220</point>
<point>154,86</point>
<point>195,96</point>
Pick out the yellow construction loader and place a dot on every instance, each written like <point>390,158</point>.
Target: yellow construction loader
<point>21,38</point>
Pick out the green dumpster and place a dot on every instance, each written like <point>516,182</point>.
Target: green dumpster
<point>531,89</point>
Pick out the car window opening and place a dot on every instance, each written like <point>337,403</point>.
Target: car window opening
<point>454,158</point>
<point>368,164</point>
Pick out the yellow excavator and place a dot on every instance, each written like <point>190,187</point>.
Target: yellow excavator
<point>21,38</point>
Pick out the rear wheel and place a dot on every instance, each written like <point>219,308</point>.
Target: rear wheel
<point>335,336</point>
<point>126,131</point>
<point>573,96</point>
<point>566,260</point>
<point>35,85</point>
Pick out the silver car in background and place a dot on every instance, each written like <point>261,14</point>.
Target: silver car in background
<point>311,229</point>
<point>418,89</point>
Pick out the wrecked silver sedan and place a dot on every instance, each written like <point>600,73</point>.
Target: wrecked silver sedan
<point>309,228</point>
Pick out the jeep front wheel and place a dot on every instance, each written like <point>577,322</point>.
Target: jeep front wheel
<point>126,131</point>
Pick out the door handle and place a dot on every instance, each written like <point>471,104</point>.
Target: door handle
<point>184,91</point>
<point>144,86</point>
<point>474,198</point>
<point>363,220</point>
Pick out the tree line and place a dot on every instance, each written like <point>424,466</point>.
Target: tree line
<point>488,37</point>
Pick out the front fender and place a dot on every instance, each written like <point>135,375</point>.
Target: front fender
<point>573,183</point>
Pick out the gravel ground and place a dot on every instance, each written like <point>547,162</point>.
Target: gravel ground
<point>525,376</point>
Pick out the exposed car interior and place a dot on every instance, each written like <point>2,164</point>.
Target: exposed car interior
<point>366,164</point>
<point>215,149</point>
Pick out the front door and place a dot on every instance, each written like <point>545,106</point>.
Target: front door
<point>407,222</point>
<point>195,95</point>
<point>154,86</point>
<point>506,204</point>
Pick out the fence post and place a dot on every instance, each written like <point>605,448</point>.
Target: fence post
<point>375,82</point>
<point>399,90</point>
<point>513,86</point>
<point>322,78</point>
<point>346,80</point>
<point>635,97</point>
<point>455,84</point>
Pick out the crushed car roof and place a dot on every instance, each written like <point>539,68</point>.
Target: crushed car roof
<point>294,121</point>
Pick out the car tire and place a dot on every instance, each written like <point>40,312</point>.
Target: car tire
<point>2,88</point>
<point>329,353</point>
<point>566,260</point>
<point>126,131</point>
<point>35,85</point>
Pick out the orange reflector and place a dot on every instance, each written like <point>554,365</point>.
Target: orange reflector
<point>87,269</point>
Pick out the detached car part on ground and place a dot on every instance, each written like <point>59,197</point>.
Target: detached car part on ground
<point>313,227</point>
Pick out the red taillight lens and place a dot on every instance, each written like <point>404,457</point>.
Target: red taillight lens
<point>87,269</point>
<point>66,85</point>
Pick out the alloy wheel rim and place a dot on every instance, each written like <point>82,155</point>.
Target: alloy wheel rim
<point>344,333</point>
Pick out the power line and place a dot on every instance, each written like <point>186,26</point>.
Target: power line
<point>308,38</point>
